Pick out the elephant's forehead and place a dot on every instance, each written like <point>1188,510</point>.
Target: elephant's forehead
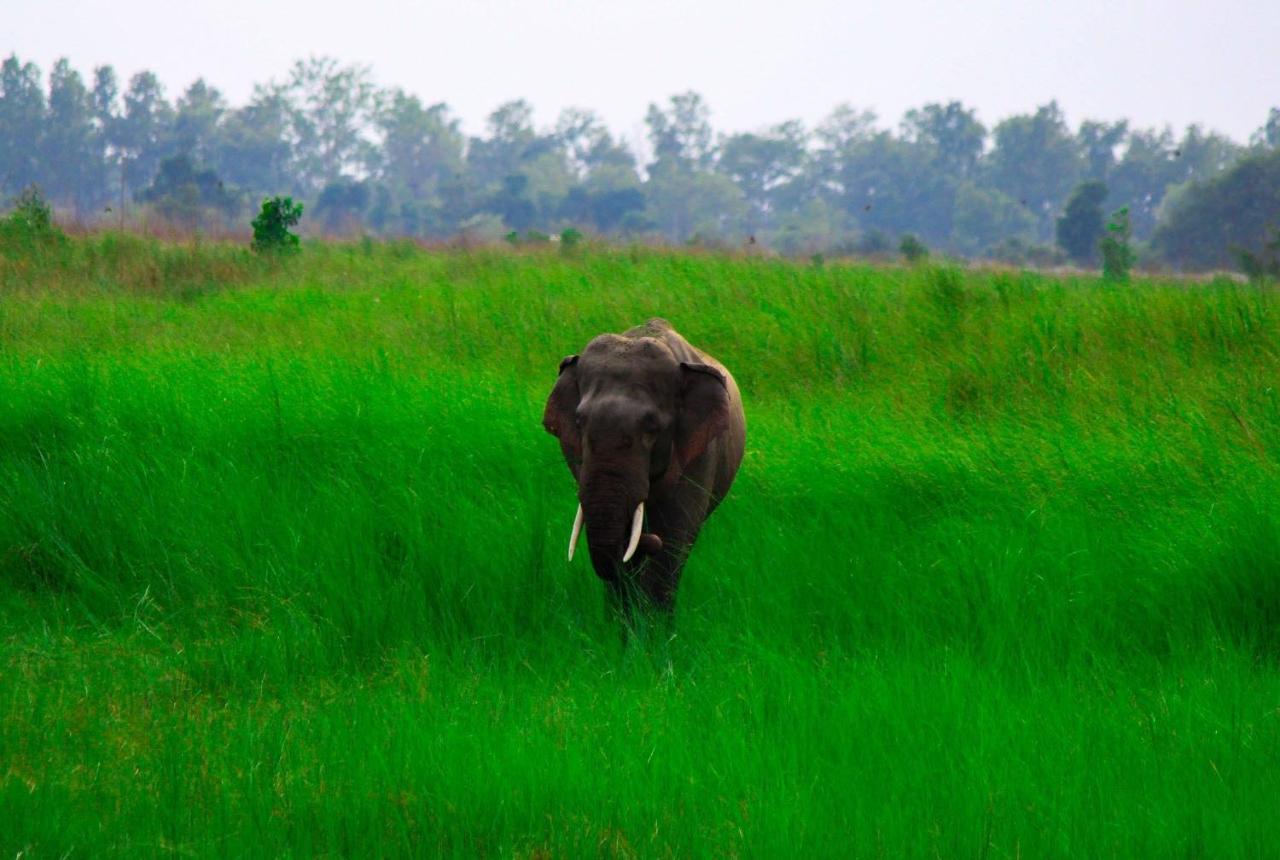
<point>625,356</point>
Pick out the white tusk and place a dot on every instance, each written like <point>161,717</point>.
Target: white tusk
<point>636,522</point>
<point>577,530</point>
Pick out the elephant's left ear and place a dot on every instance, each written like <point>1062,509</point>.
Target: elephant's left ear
<point>704,410</point>
<point>562,405</point>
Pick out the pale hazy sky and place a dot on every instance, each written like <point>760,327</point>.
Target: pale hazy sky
<point>1174,62</point>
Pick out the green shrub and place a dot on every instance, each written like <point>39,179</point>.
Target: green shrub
<point>271,233</point>
<point>913,249</point>
<point>1264,266</point>
<point>1117,254</point>
<point>30,221</point>
<point>570,240</point>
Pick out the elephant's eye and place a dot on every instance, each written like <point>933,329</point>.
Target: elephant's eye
<point>579,420</point>
<point>649,423</point>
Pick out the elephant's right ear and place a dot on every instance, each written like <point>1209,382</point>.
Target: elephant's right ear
<point>562,405</point>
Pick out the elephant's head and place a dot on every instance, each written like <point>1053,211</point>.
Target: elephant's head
<point>630,418</point>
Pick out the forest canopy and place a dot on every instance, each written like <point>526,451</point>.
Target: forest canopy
<point>374,160</point>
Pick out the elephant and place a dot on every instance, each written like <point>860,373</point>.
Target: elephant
<point>652,429</point>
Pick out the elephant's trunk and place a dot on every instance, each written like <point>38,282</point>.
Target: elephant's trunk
<point>633,541</point>
<point>613,513</point>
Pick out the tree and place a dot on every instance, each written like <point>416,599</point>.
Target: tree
<point>607,193</point>
<point>1142,175</point>
<point>181,192</point>
<point>605,188</point>
<point>74,171</point>
<point>143,130</point>
<point>1209,222</point>
<point>606,209</point>
<point>682,133</point>
<point>838,136</point>
<point>684,203</point>
<point>1036,161</point>
<point>893,186</point>
<point>526,174</point>
<point>106,124</point>
<point>196,122</point>
<point>588,145</point>
<point>421,151</point>
<point>22,116</point>
<point>549,181</point>
<point>253,150</point>
<point>342,202</point>
<point>388,160</point>
<point>954,133</point>
<point>511,142</point>
<point>1201,154</point>
<point>983,218</point>
<point>1099,141</point>
<point>106,93</point>
<point>684,198</point>
<point>512,204</point>
<point>762,166</point>
<point>1154,161</point>
<point>421,146</point>
<point>332,114</point>
<point>1269,135</point>
<point>1080,227</point>
<point>458,202</point>
<point>816,227</point>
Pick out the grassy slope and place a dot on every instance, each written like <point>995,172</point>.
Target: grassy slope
<point>281,563</point>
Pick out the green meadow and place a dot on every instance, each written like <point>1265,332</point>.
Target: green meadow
<point>282,563</point>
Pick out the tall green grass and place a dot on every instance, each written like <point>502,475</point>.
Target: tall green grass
<point>281,563</point>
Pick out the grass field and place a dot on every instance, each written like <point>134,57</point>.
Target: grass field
<point>282,563</point>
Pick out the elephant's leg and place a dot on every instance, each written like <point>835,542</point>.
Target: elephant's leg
<point>678,524</point>
<point>661,576</point>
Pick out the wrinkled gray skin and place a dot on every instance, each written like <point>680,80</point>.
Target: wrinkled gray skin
<point>645,416</point>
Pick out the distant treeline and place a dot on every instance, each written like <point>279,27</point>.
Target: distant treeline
<point>379,161</point>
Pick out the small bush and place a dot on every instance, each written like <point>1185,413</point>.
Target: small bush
<point>570,239</point>
<point>271,228</point>
<point>1117,254</point>
<point>1264,266</point>
<point>30,221</point>
<point>913,249</point>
